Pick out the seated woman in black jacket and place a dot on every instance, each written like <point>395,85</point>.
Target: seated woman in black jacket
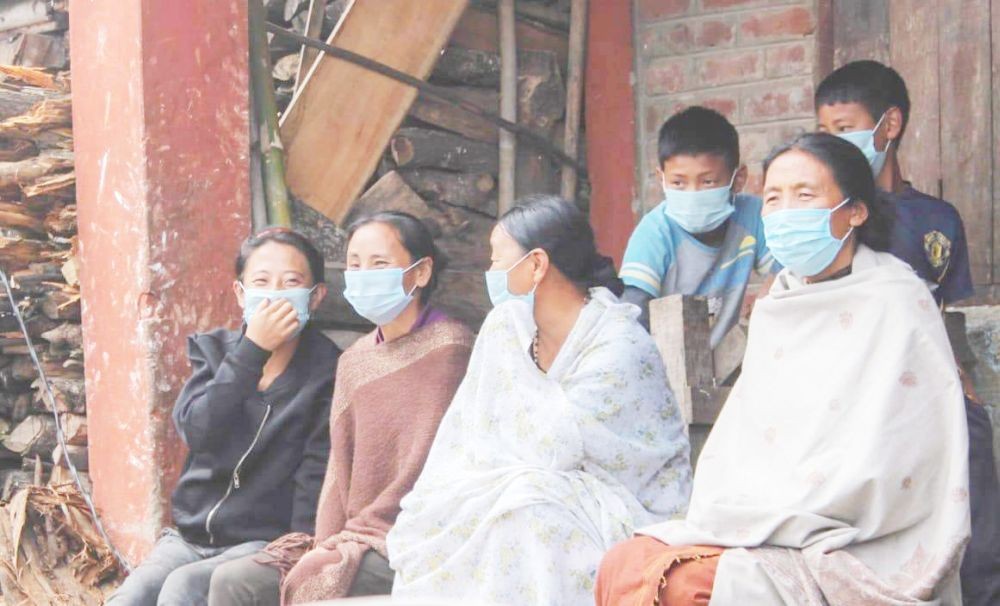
<point>254,415</point>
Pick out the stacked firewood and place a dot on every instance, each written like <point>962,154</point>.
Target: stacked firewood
<point>442,163</point>
<point>37,252</point>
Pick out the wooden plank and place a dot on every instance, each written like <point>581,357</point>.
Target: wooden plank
<point>479,30</point>
<point>450,117</point>
<point>860,31</point>
<point>679,326</point>
<point>995,20</point>
<point>338,124</point>
<point>914,50</point>
<point>967,147</point>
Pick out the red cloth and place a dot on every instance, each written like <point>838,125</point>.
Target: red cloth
<point>645,572</point>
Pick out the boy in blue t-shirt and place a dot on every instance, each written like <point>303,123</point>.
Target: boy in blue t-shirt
<point>704,238</point>
<point>867,103</point>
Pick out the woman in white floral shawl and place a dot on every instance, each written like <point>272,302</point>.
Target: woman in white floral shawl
<point>563,437</point>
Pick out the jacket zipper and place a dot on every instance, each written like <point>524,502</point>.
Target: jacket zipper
<point>234,482</point>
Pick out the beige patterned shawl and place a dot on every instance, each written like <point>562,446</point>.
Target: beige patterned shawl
<point>838,467</point>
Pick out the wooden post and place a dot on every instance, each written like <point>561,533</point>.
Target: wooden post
<point>314,27</point>
<point>679,326</point>
<point>574,93</point>
<point>508,103</point>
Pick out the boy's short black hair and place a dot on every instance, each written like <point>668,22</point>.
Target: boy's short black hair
<point>699,130</point>
<point>875,86</point>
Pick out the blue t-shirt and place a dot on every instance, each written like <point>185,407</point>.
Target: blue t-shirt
<point>928,235</point>
<point>662,259</point>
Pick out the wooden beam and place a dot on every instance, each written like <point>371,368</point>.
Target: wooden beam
<point>478,29</point>
<point>610,125</point>
<point>314,25</point>
<point>574,93</point>
<point>995,25</point>
<point>860,31</point>
<point>508,103</point>
<point>914,51</point>
<point>966,89</point>
<point>337,126</point>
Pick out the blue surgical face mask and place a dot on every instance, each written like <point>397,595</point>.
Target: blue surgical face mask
<point>377,294</point>
<point>498,286</point>
<point>700,211</point>
<point>298,297</point>
<point>801,240</point>
<point>865,141</point>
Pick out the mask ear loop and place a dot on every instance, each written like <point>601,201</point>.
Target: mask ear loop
<point>835,209</point>
<point>415,263</point>
<point>519,261</point>
<point>888,141</point>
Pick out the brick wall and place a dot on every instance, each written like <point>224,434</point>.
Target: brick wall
<point>751,60</point>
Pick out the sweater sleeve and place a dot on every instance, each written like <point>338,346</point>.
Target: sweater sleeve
<point>211,400</point>
<point>309,476</point>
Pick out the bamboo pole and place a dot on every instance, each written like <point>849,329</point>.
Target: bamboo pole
<point>508,103</point>
<point>574,93</point>
<point>258,202</point>
<point>314,26</point>
<point>279,211</point>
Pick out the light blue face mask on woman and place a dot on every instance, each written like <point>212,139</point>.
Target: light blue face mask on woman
<point>865,141</point>
<point>498,286</point>
<point>298,297</point>
<point>377,294</point>
<point>700,211</point>
<point>801,238</point>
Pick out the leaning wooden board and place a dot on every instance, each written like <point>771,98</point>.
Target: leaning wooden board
<point>338,125</point>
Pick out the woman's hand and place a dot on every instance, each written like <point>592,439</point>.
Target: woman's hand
<point>272,324</point>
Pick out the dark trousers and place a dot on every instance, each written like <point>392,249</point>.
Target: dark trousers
<point>981,566</point>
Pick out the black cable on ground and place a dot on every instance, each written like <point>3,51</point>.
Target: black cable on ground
<point>523,133</point>
<point>60,436</point>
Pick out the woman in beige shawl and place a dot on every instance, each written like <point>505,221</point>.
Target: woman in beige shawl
<point>393,386</point>
<point>837,470</point>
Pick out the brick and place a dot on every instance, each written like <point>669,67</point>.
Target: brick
<point>760,27</point>
<point>776,101</point>
<point>681,37</point>
<point>756,142</point>
<point>667,75</point>
<point>729,5</point>
<point>653,10</point>
<point>657,112</point>
<point>789,60</point>
<point>730,68</point>
<point>715,32</point>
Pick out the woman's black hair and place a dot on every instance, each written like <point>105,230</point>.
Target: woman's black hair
<point>854,177</point>
<point>415,237</point>
<point>282,235</point>
<point>558,227</point>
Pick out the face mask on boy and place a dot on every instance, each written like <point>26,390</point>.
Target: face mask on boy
<point>700,211</point>
<point>865,141</point>
<point>298,297</point>
<point>801,238</point>
<point>498,286</point>
<point>377,294</point>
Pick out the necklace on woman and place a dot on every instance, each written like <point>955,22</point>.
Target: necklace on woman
<point>534,351</point>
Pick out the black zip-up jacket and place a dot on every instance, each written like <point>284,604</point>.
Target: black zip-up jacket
<point>257,459</point>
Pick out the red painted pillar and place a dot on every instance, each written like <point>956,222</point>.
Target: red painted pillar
<point>161,133</point>
<point>610,122</point>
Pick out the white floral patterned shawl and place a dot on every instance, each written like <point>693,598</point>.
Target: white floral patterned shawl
<point>837,469</point>
<point>533,476</point>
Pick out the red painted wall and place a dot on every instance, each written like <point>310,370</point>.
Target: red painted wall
<point>160,123</point>
<point>610,124</point>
